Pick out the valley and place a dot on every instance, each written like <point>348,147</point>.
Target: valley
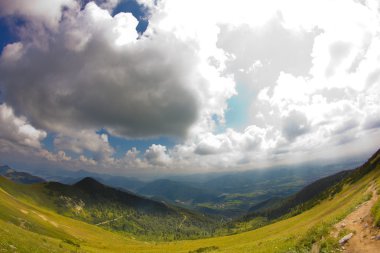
<point>223,195</point>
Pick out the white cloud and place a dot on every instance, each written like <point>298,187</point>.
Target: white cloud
<point>157,155</point>
<point>141,88</point>
<point>85,140</point>
<point>48,13</point>
<point>18,130</point>
<point>58,157</point>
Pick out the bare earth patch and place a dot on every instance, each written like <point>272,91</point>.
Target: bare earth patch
<point>43,217</point>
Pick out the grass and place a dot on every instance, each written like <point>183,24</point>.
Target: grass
<point>375,210</point>
<point>376,213</point>
<point>32,227</point>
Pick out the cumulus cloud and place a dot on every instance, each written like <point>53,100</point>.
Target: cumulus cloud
<point>85,140</point>
<point>58,157</point>
<point>45,12</point>
<point>139,88</point>
<point>157,155</point>
<point>18,130</point>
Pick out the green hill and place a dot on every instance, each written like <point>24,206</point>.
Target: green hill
<point>118,210</point>
<point>29,222</point>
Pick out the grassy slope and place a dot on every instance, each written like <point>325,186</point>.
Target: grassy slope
<point>376,208</point>
<point>32,228</point>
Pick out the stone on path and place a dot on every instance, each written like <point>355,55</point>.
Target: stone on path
<point>345,238</point>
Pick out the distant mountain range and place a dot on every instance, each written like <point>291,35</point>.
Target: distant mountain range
<point>19,177</point>
<point>223,194</point>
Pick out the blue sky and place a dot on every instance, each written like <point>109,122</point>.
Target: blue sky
<point>238,108</point>
<point>138,10</point>
<point>6,35</point>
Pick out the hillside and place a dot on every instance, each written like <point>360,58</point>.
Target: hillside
<point>114,209</point>
<point>312,194</point>
<point>275,208</point>
<point>29,226</point>
<point>89,200</point>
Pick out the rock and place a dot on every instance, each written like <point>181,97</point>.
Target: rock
<point>343,225</point>
<point>366,225</point>
<point>345,238</point>
<point>377,237</point>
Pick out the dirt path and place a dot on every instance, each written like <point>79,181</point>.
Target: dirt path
<point>108,221</point>
<point>361,223</point>
<point>184,219</point>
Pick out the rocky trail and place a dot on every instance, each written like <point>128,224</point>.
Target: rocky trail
<point>363,236</point>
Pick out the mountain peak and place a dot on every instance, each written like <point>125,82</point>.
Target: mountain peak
<point>89,183</point>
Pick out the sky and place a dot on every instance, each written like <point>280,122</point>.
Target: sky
<point>139,87</point>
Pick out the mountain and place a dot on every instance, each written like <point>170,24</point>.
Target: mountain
<point>19,177</point>
<point>90,190</point>
<point>34,218</point>
<point>93,202</point>
<point>70,177</point>
<point>128,183</point>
